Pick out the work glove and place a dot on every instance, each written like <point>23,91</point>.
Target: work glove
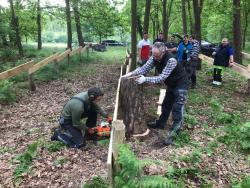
<point>140,80</point>
<point>126,75</point>
<point>109,119</point>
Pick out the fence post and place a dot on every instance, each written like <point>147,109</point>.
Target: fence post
<point>32,85</point>
<point>56,66</point>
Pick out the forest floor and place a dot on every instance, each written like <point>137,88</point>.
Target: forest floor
<point>197,156</point>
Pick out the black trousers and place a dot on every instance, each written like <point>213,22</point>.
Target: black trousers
<point>190,68</point>
<point>73,136</point>
<point>174,101</point>
<point>217,75</point>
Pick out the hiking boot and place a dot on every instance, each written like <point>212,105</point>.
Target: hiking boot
<point>153,125</point>
<point>55,135</point>
<point>168,141</point>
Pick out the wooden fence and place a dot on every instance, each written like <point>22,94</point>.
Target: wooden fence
<point>31,67</point>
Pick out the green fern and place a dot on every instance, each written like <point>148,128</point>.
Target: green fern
<point>132,176</point>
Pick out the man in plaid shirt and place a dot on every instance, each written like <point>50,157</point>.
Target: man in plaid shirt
<point>175,78</point>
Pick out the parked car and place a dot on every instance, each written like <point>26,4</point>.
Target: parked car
<point>112,43</point>
<point>207,48</point>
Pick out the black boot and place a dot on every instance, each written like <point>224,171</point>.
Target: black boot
<point>154,125</point>
<point>55,135</point>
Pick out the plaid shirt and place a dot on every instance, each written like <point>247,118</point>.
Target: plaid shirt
<point>171,64</point>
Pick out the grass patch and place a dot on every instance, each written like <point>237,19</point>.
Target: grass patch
<point>54,146</point>
<point>25,160</point>
<point>60,161</point>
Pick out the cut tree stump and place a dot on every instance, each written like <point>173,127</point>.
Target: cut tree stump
<point>131,101</point>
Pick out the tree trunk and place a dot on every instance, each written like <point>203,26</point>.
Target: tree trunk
<point>78,24</point>
<point>184,16</point>
<point>237,31</point>
<point>164,19</point>
<point>39,26</point>
<point>139,27</point>
<point>69,30</point>
<point>131,101</point>
<point>153,27</point>
<point>15,27</point>
<point>197,6</point>
<point>146,16</point>
<point>246,14</point>
<point>191,31</point>
<point>133,34</point>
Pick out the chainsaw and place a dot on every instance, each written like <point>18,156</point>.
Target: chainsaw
<point>102,130</point>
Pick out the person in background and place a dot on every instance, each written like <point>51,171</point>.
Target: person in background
<point>160,38</point>
<point>194,59</point>
<point>83,105</point>
<point>175,78</point>
<point>144,48</point>
<point>223,57</point>
<point>172,46</point>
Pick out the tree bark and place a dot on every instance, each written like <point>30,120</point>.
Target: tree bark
<point>184,16</point>
<point>164,19</point>
<point>133,34</point>
<point>197,6</point>
<point>39,26</point>
<point>15,27</point>
<point>78,24</point>
<point>237,31</point>
<point>69,30</point>
<point>191,31</point>
<point>146,16</point>
<point>131,100</point>
<point>139,27</point>
<point>246,14</point>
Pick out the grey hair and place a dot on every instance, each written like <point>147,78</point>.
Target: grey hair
<point>160,46</point>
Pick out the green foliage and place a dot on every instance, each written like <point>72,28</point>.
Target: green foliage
<point>96,182</point>
<point>7,92</point>
<point>211,147</point>
<point>237,136</point>
<point>183,139</point>
<point>193,158</point>
<point>54,146</point>
<point>132,176</point>
<point>245,183</point>
<point>61,160</point>
<point>25,160</point>
<point>5,150</point>
<point>190,120</point>
<point>8,54</point>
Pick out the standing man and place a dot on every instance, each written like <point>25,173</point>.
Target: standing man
<point>223,57</point>
<point>175,78</point>
<point>160,38</point>
<point>144,48</point>
<point>184,49</point>
<point>82,105</point>
<point>172,46</point>
<point>194,59</point>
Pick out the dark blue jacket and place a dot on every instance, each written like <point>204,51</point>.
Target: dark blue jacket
<point>181,48</point>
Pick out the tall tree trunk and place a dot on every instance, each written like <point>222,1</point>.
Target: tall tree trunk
<point>197,6</point>
<point>246,14</point>
<point>69,30</point>
<point>15,27</point>
<point>237,31</point>
<point>164,19</point>
<point>133,34</point>
<point>153,27</point>
<point>146,16</point>
<point>191,31</point>
<point>78,24</point>
<point>157,20</point>
<point>184,16</point>
<point>39,26</point>
<point>139,27</point>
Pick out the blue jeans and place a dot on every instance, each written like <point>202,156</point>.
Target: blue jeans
<point>174,101</point>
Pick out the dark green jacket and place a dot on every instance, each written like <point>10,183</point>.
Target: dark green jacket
<point>74,109</point>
